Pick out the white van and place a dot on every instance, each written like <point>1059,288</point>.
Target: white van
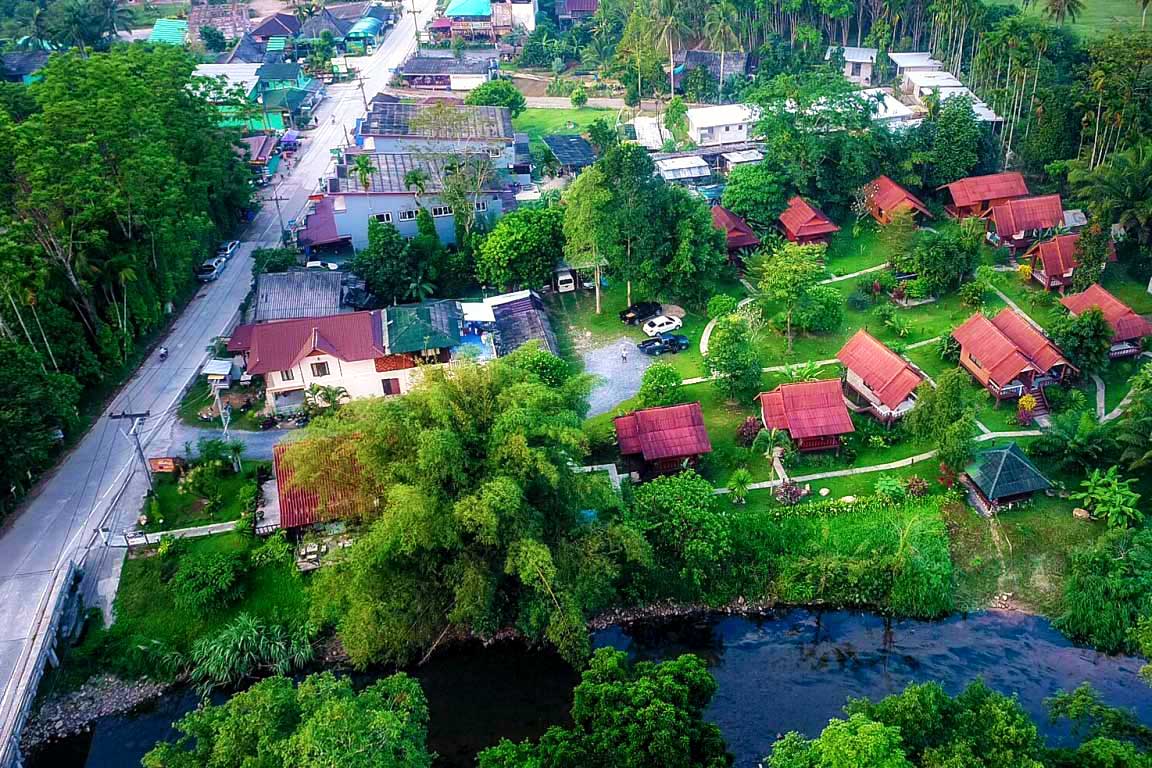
<point>565,280</point>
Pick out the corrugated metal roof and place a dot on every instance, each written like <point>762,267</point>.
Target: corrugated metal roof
<point>801,219</point>
<point>1000,473</point>
<point>674,431</point>
<point>888,195</point>
<point>469,8</point>
<point>297,293</point>
<point>169,31</point>
<point>889,376</point>
<point>332,497</point>
<point>282,344</point>
<point>366,27</point>
<point>807,409</point>
<point>982,189</point>
<point>277,43</point>
<point>1034,344</point>
<point>1126,324</point>
<point>1028,213</point>
<point>419,327</point>
<point>739,234</point>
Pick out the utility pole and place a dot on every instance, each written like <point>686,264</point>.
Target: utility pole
<point>279,215</point>
<point>225,411</point>
<point>360,82</point>
<point>416,27</point>
<point>133,434</point>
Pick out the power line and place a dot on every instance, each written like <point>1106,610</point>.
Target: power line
<point>133,434</point>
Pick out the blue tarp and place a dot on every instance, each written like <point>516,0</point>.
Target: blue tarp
<point>366,27</point>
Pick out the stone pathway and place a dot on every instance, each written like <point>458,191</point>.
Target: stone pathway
<point>867,271</point>
<point>1004,297</point>
<point>1099,396</point>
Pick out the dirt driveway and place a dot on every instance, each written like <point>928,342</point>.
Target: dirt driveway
<point>619,377</point>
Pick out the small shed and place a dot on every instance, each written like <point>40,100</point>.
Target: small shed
<point>665,439</point>
<point>574,153</point>
<point>169,32</point>
<point>683,168</point>
<point>1002,476</point>
<point>813,413</point>
<point>804,223</point>
<point>741,157</point>
<point>331,497</point>
<point>885,197</point>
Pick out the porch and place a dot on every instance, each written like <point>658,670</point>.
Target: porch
<point>1123,349</point>
<point>285,401</point>
<point>818,443</point>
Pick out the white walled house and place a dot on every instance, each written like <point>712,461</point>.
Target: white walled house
<point>727,124</point>
<point>369,354</point>
<point>858,62</point>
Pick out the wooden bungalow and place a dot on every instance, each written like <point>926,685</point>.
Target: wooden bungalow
<point>1129,328</point>
<point>665,439</point>
<point>1054,261</point>
<point>813,413</point>
<point>739,235</point>
<point>976,195</point>
<point>877,378</point>
<point>1020,222</point>
<point>1009,356</point>
<point>1003,476</point>
<point>886,196</point>
<point>804,223</point>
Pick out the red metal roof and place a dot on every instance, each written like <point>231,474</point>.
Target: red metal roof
<point>279,345</point>
<point>807,409</point>
<point>582,6</point>
<point>1043,354</point>
<point>1058,255</point>
<point>740,235</point>
<point>801,219</point>
<point>330,499</point>
<point>888,195</point>
<point>1028,213</point>
<point>992,350</point>
<point>672,431</point>
<point>1127,325</point>
<point>889,376</point>
<point>981,189</point>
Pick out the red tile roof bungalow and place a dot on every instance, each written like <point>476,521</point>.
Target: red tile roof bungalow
<point>739,234</point>
<point>813,413</point>
<point>1019,222</point>
<point>1008,355</point>
<point>329,498</point>
<point>975,195</point>
<point>882,381</point>
<point>804,223</point>
<point>886,196</point>
<point>1054,261</point>
<point>1129,328</point>
<point>665,439</point>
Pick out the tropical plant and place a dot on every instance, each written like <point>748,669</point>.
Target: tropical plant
<point>806,371</point>
<point>1121,190</point>
<point>1107,495</point>
<point>208,581</point>
<point>1076,441</point>
<point>721,305</point>
<point>738,483</point>
<point>248,647</point>
<point>732,359</point>
<point>321,396</point>
<point>889,487</point>
<point>659,385</point>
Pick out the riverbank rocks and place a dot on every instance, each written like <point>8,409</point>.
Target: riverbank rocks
<point>67,714</point>
<point>668,611</point>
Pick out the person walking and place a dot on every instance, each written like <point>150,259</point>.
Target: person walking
<point>624,354</point>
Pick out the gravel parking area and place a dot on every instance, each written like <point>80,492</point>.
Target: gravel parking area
<point>619,379</point>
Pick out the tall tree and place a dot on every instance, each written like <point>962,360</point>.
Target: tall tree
<point>523,248</point>
<point>720,29</point>
<point>1091,256</point>
<point>1121,191</point>
<point>786,277</point>
<point>589,235</point>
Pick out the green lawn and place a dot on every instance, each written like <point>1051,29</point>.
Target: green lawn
<point>928,359</point>
<point>1099,17</point>
<point>1117,381</point>
<point>199,399</point>
<point>1129,290</point>
<point>1043,307</point>
<point>848,254</point>
<point>182,510</point>
<point>146,609</point>
<point>538,123</point>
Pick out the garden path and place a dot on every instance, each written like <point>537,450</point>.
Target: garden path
<point>1099,396</point>
<point>839,278</point>
<point>619,375</point>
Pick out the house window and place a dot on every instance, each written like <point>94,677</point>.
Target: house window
<point>856,69</point>
<point>727,128</point>
<point>439,211</point>
<point>319,369</point>
<point>287,375</point>
<point>406,215</point>
<point>495,152</point>
<point>481,206</point>
<point>391,386</point>
<point>384,217</point>
<point>975,362</point>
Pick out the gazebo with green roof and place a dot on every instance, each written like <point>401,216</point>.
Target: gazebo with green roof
<point>1004,475</point>
<point>169,32</point>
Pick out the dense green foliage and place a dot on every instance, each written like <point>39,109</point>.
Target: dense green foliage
<point>498,93</point>
<point>1108,590</point>
<point>1085,339</point>
<point>628,716</point>
<point>659,385</point>
<point>523,248</point>
<point>321,722</point>
<point>104,220</point>
<point>732,359</point>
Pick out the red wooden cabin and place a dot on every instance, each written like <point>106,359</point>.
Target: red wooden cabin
<point>1129,328</point>
<point>813,413</point>
<point>976,195</point>
<point>804,223</point>
<point>665,439</point>
<point>885,197</point>
<point>1009,356</point>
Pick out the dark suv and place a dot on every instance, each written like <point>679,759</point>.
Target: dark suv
<point>664,343</point>
<point>639,312</point>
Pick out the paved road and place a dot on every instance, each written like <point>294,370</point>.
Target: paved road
<point>61,517</point>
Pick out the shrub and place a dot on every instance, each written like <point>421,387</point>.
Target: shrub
<point>720,305</point>
<point>1108,495</point>
<point>972,294</point>
<point>1024,272</point>
<point>917,289</point>
<point>738,483</point>
<point>821,310</point>
<point>578,97</point>
<point>948,348</point>
<point>246,647</point>
<point>916,486</point>
<point>889,487</point>
<point>859,300</point>
<point>274,550</point>
<point>1106,590</point>
<point>883,313</point>
<point>747,432</point>
<point>789,493</point>
<point>659,385</point>
<point>206,581</point>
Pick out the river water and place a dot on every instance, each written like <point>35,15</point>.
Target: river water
<point>791,672</point>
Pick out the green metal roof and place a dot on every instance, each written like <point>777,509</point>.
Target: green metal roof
<point>366,27</point>
<point>469,8</point>
<point>169,31</point>
<point>1003,472</point>
<point>277,43</point>
<point>417,327</point>
<point>285,98</point>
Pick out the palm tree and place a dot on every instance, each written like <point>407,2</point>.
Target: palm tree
<point>416,179</point>
<point>37,37</point>
<point>1121,190</point>
<point>75,24</point>
<point>365,169</point>
<point>720,28</point>
<point>114,18</point>
<point>672,29</point>
<point>599,52</point>
<point>323,396</point>
<point>1059,10</point>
